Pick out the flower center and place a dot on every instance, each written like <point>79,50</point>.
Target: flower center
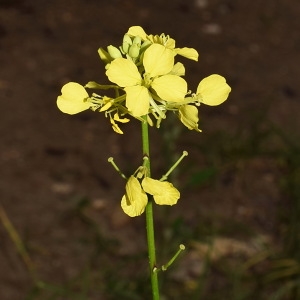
<point>147,81</point>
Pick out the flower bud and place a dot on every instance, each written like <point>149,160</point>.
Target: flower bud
<point>134,51</point>
<point>114,52</point>
<point>137,41</point>
<point>127,42</point>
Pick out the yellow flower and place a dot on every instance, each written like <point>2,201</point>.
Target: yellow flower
<point>158,62</point>
<point>73,99</point>
<point>135,199</point>
<point>213,90</point>
<point>164,40</point>
<point>163,192</point>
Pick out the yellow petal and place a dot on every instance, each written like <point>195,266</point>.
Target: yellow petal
<point>163,192</point>
<point>170,87</point>
<point>72,100</point>
<point>158,60</point>
<point>137,31</point>
<point>178,69</point>
<point>135,199</point>
<point>170,43</point>
<point>123,72</point>
<point>189,53</point>
<point>213,90</point>
<point>137,100</point>
<point>188,115</point>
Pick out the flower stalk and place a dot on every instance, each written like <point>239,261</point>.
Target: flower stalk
<point>149,216</point>
<point>169,263</point>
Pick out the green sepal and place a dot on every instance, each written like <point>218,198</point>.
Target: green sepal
<point>104,55</point>
<point>95,85</point>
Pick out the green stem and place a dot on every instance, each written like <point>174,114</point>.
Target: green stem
<point>149,216</point>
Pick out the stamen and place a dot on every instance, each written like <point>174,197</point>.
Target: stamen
<point>157,108</point>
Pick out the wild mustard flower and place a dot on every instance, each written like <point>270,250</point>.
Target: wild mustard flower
<point>135,199</point>
<point>155,83</point>
<point>212,90</point>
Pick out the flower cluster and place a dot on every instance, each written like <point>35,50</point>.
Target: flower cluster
<point>147,83</point>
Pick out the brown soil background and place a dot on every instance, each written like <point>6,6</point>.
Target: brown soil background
<point>49,160</point>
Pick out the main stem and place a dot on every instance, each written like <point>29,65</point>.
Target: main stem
<point>149,216</point>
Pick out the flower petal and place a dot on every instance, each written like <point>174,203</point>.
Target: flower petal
<point>137,100</point>
<point>170,87</point>
<point>188,115</point>
<point>164,193</point>
<point>158,60</point>
<point>137,31</point>
<point>213,90</point>
<point>189,53</point>
<point>135,199</point>
<point>123,72</point>
<point>170,43</point>
<point>72,100</point>
<point>178,69</point>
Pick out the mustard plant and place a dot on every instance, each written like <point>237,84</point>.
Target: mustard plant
<point>148,84</point>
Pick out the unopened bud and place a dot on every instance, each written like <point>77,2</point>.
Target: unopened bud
<point>114,52</point>
<point>127,42</point>
<point>137,41</point>
<point>134,51</point>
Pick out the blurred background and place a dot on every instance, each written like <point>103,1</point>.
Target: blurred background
<point>63,234</point>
